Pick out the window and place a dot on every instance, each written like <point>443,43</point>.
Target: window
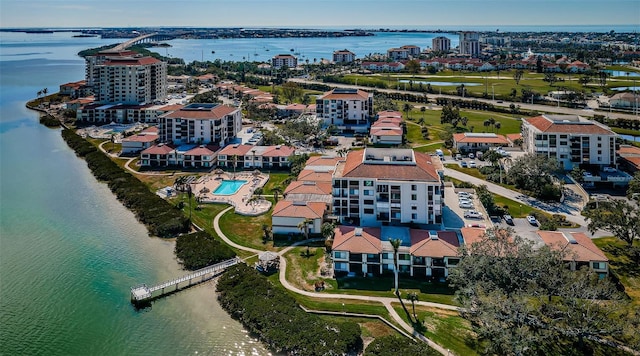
<point>404,257</point>
<point>368,211</point>
<point>340,255</point>
<point>598,265</point>
<point>341,266</point>
<point>414,216</point>
<point>414,196</point>
<point>368,192</point>
<point>414,187</point>
<point>414,208</point>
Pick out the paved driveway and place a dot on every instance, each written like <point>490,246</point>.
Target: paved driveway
<point>453,215</point>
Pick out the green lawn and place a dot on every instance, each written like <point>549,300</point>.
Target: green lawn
<point>247,230</point>
<point>275,180</point>
<point>446,328</point>
<point>622,265</point>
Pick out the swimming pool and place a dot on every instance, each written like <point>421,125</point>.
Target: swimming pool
<point>228,187</point>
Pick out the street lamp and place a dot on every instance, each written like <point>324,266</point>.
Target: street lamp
<point>493,92</point>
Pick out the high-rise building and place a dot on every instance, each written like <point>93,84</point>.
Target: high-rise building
<point>200,124</point>
<point>126,78</point>
<point>441,44</point>
<point>284,60</point>
<point>470,43</point>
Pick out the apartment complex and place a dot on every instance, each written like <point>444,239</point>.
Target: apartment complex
<point>384,186</point>
<point>388,129</point>
<point>579,250</point>
<point>343,56</point>
<point>470,43</point>
<point>200,124</point>
<point>441,44</point>
<point>368,251</point>
<point>250,156</point>
<point>348,109</point>
<point>284,60</point>
<point>404,52</point>
<point>126,78</point>
<point>572,139</point>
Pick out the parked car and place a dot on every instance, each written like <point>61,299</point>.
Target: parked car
<point>463,164</point>
<point>472,214</point>
<point>471,155</point>
<point>477,225</point>
<point>465,200</point>
<point>532,220</point>
<point>587,174</point>
<point>472,164</point>
<point>508,219</point>
<point>466,205</point>
<point>458,157</point>
<point>464,194</point>
<point>609,169</point>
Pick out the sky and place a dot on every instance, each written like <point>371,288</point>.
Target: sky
<point>310,13</point>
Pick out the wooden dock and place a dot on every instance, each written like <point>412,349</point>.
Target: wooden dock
<point>143,293</point>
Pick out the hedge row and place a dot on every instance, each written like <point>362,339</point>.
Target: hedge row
<point>393,346</point>
<point>199,249</point>
<point>275,317</point>
<point>161,218</point>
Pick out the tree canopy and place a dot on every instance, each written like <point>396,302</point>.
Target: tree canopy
<point>617,216</point>
<point>535,173</point>
<point>521,300</point>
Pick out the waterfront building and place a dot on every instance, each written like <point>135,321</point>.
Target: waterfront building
<point>200,123</point>
<point>368,251</point>
<point>75,90</point>
<point>287,216</point>
<point>250,156</point>
<point>284,60</point>
<point>469,43</point>
<point>571,139</point>
<point>344,56</point>
<point>141,141</point>
<point>185,156</point>
<point>348,109</point>
<point>388,129</point>
<point>387,186</point>
<point>382,66</point>
<point>441,44</point>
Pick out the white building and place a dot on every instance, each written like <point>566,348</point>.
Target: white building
<point>348,109</point>
<point>573,140</point>
<point>470,43</point>
<point>387,129</point>
<point>250,156</point>
<point>282,60</point>
<point>127,79</point>
<point>287,215</point>
<point>476,141</point>
<point>343,56</point>
<point>380,186</point>
<point>441,44</point>
<point>200,124</point>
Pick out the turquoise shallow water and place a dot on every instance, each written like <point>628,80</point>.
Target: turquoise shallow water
<point>69,251</point>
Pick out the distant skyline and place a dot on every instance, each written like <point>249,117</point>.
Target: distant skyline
<point>310,13</point>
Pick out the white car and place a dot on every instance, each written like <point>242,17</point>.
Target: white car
<point>609,169</point>
<point>466,205</point>
<point>472,164</point>
<point>532,220</point>
<point>464,195</point>
<point>464,200</point>
<point>472,156</point>
<point>472,214</point>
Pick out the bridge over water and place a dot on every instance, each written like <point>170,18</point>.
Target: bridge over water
<point>143,293</point>
<point>149,37</point>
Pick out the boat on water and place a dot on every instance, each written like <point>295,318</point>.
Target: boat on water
<point>291,50</point>
<point>213,52</point>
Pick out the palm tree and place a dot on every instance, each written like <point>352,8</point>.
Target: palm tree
<point>492,122</point>
<point>303,226</point>
<point>406,108</point>
<point>342,152</point>
<point>486,123</point>
<point>235,165</point>
<point>327,230</point>
<point>413,297</point>
<point>464,120</point>
<point>266,230</point>
<point>45,91</point>
<point>497,125</point>
<point>422,110</point>
<point>218,172</point>
<point>395,243</point>
<point>276,190</point>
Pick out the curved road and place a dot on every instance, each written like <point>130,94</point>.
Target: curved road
<point>386,301</point>
<point>505,104</point>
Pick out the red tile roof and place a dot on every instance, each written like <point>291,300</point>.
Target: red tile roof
<point>172,107</point>
<point>333,95</point>
<point>471,235</point>
<point>546,125</point>
<point>629,150</point>
<point>162,149</point>
<point>423,246</point>
<point>423,170</point>
<point>308,187</point>
<point>367,241</point>
<point>389,113</point>
<point>308,210</point>
<point>323,161</point>
<point>471,138</point>
<point>140,138</point>
<point>278,151</point>
<point>209,150</point>
<point>151,129</point>
<point>584,250</point>
<point>131,61</point>
<point>309,175</point>
<point>386,131</point>
<point>217,112</point>
<point>514,136</point>
<point>235,149</point>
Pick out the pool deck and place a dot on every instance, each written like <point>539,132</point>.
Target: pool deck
<point>240,198</point>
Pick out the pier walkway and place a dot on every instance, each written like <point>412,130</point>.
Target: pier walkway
<point>143,293</point>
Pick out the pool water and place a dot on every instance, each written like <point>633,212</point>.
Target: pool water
<point>228,187</point>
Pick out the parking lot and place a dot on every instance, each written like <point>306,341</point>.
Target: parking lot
<point>453,215</point>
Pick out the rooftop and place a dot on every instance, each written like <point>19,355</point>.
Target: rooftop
<point>201,111</point>
<point>572,124</point>
<point>388,163</point>
<point>303,210</point>
<point>577,245</point>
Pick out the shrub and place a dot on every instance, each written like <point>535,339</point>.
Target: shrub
<point>275,317</point>
<point>199,249</point>
<point>393,345</point>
